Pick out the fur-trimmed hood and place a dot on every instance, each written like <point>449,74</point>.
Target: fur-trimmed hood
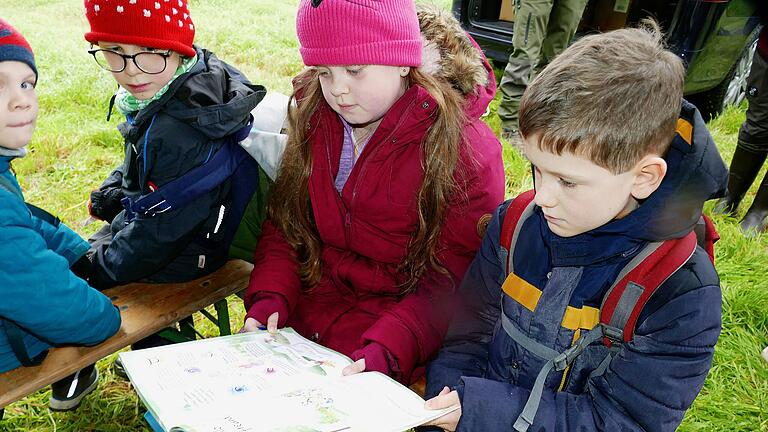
<point>450,53</point>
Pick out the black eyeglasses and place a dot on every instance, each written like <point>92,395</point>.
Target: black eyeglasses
<point>147,61</point>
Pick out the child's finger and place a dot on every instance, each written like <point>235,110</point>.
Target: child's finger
<point>356,367</point>
<point>250,325</point>
<point>444,391</point>
<point>443,400</point>
<point>272,323</point>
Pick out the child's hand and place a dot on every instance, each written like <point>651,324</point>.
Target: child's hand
<point>356,367</point>
<point>91,212</point>
<point>105,204</point>
<point>252,324</point>
<point>445,399</point>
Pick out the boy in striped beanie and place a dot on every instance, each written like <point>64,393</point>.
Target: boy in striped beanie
<point>46,301</point>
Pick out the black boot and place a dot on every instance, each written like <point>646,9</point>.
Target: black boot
<point>745,165</point>
<point>753,222</point>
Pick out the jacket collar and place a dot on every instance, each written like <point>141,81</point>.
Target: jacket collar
<point>413,108</point>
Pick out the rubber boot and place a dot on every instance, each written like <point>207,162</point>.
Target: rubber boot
<point>745,165</point>
<point>753,222</point>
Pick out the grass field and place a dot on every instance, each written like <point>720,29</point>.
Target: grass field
<point>75,148</point>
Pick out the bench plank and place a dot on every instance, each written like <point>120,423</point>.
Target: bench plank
<point>145,309</point>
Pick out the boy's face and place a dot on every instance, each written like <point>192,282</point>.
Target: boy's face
<point>18,104</point>
<point>138,83</point>
<point>362,94</point>
<point>576,195</point>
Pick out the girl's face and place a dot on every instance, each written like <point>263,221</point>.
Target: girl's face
<point>18,104</point>
<point>362,94</point>
<point>140,84</point>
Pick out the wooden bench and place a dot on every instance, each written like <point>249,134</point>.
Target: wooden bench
<point>145,309</point>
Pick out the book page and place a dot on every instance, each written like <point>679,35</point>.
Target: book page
<point>176,382</point>
<point>369,401</point>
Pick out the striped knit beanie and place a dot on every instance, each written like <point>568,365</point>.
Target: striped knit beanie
<point>13,46</point>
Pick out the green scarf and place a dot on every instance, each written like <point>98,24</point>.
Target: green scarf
<point>127,103</point>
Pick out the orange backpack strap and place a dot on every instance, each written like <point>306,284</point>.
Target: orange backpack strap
<point>637,282</point>
<point>518,211</point>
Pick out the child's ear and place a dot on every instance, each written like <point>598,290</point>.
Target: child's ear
<point>649,173</point>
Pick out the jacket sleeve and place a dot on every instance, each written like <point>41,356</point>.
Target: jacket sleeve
<point>275,284</point>
<point>413,329</point>
<point>647,386</point>
<point>42,295</point>
<point>61,240</point>
<point>148,244</point>
<point>465,350</point>
<point>105,202</point>
<point>114,179</point>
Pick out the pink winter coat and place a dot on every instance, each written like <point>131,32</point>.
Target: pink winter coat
<point>365,230</point>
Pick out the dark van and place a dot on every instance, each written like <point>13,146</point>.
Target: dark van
<point>715,38</point>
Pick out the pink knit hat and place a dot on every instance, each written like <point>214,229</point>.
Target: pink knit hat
<point>359,32</point>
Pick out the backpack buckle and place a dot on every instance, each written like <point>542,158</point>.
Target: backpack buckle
<point>612,334</point>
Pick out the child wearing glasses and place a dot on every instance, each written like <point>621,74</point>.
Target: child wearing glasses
<point>180,104</point>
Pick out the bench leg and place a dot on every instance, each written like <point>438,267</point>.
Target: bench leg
<point>187,330</point>
<point>222,320</point>
<point>185,333</point>
<point>222,310</point>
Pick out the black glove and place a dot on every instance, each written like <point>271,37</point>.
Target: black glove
<point>105,203</point>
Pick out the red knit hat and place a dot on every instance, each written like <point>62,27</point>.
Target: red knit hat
<point>13,46</point>
<point>359,32</point>
<point>163,24</point>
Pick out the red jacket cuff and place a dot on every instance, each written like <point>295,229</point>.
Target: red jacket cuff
<point>379,359</point>
<point>267,303</point>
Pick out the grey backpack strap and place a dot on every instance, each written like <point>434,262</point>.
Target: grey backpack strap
<point>637,282</point>
<point>514,219</point>
<point>558,363</point>
<point>614,330</point>
<point>523,340</point>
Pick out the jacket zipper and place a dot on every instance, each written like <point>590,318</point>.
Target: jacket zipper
<point>363,158</point>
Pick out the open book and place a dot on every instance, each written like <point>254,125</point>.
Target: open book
<point>273,383</point>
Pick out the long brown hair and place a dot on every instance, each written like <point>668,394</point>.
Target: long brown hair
<point>290,208</point>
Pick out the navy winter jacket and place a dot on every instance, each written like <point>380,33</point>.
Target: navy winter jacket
<point>165,140</point>
<point>652,380</point>
<point>38,291</point>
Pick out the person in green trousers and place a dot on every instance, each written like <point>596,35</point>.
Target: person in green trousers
<point>752,148</point>
<point>543,29</point>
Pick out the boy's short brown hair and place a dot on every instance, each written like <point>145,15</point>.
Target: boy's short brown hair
<point>612,98</point>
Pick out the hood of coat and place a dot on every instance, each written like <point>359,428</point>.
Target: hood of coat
<point>451,54</point>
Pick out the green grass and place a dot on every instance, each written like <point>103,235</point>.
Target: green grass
<point>75,148</point>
